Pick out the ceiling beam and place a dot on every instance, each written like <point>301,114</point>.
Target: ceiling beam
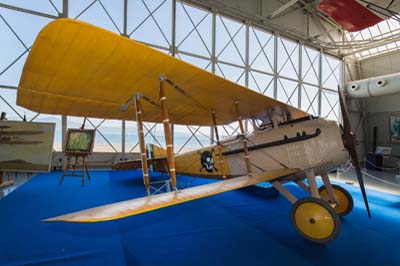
<point>222,7</point>
<point>282,9</point>
<point>32,12</point>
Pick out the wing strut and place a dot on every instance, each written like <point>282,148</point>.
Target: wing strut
<point>167,131</point>
<point>245,146</point>
<point>220,160</point>
<point>139,119</point>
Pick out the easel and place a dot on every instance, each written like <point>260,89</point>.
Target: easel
<point>77,156</point>
<point>68,166</point>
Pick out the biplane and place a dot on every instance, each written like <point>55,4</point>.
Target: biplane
<point>75,68</point>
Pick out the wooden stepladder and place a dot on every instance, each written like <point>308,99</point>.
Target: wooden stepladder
<point>73,167</point>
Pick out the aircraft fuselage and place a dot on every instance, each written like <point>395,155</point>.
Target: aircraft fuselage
<point>312,144</point>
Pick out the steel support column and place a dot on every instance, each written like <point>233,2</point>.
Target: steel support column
<point>320,83</point>
<point>275,65</point>
<point>125,29</point>
<point>167,132</point>
<point>300,84</point>
<point>213,42</point>
<point>64,127</point>
<point>247,55</point>
<point>65,9</point>
<point>123,148</point>
<point>173,30</point>
<point>342,80</point>
<point>64,123</point>
<point>213,58</point>
<point>125,34</point>
<point>247,64</point>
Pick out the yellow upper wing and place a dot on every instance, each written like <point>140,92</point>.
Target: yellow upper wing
<point>140,205</point>
<point>75,68</point>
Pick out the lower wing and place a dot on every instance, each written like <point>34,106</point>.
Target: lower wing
<point>140,205</point>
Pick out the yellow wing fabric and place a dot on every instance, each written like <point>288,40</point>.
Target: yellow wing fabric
<point>75,68</point>
<point>140,205</point>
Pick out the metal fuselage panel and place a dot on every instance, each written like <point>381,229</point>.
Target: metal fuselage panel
<point>312,144</point>
<point>305,149</point>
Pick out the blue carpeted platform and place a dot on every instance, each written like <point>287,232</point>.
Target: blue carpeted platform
<point>235,228</point>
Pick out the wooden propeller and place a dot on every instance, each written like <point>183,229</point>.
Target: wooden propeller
<point>349,144</point>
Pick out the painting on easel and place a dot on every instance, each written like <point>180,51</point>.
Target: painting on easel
<point>80,141</point>
<point>26,146</point>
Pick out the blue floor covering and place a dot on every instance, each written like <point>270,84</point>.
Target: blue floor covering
<point>235,228</point>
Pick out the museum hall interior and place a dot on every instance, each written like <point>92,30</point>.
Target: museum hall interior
<point>199,132</point>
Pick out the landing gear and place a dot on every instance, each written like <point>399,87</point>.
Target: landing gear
<point>315,220</point>
<point>344,203</point>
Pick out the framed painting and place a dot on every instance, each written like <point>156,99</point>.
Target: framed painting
<point>80,141</point>
<point>26,146</point>
<point>394,123</point>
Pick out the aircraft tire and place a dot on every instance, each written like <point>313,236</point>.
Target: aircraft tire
<point>315,220</point>
<point>345,199</point>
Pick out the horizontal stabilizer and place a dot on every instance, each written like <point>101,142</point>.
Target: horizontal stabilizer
<point>140,205</point>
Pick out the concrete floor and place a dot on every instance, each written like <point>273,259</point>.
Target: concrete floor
<point>388,182</point>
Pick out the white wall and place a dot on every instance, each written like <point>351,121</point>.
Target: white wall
<point>381,65</point>
<point>379,108</point>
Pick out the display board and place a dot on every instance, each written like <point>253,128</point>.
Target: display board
<point>80,141</point>
<point>26,146</point>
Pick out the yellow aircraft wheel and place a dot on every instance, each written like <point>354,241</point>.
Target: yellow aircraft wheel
<point>344,198</point>
<point>315,220</point>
